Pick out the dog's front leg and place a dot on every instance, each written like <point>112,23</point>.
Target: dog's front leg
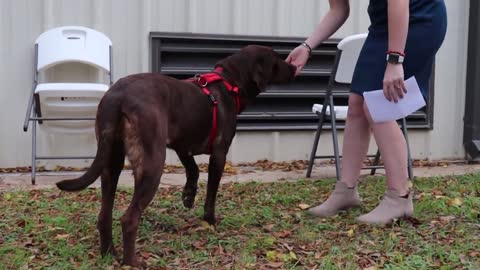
<point>215,170</point>
<point>191,170</point>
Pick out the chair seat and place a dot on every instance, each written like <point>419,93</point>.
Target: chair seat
<point>71,88</point>
<point>340,111</point>
<point>70,100</point>
<point>70,96</point>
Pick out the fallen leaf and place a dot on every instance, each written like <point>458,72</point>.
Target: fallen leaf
<point>268,228</point>
<point>455,202</point>
<point>85,238</point>
<point>20,223</point>
<point>350,233</point>
<point>273,265</point>
<point>269,241</point>
<point>271,255</point>
<point>447,219</point>
<point>287,246</point>
<point>28,243</point>
<point>293,255</point>
<point>474,254</point>
<point>62,236</point>
<point>146,255</point>
<point>221,250</point>
<point>283,234</point>
<point>284,257</point>
<point>206,225</point>
<point>303,206</point>
<point>365,251</point>
<point>320,255</point>
<point>229,169</point>
<point>199,244</point>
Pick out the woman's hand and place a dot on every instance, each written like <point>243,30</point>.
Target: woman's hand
<point>298,57</point>
<point>393,82</point>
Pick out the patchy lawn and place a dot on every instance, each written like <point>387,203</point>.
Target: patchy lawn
<point>262,226</point>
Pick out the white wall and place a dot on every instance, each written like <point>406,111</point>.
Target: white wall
<point>128,24</point>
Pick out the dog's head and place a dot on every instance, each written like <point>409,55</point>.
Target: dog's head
<point>255,67</point>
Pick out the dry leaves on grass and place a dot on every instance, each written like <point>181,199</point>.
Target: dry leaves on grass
<point>231,169</point>
<point>267,165</point>
<point>252,232</point>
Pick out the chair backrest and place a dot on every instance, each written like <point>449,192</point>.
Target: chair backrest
<point>73,44</point>
<point>350,48</point>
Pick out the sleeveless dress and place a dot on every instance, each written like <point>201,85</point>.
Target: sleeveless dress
<point>426,32</point>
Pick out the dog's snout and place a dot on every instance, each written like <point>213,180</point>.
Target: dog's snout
<point>286,72</point>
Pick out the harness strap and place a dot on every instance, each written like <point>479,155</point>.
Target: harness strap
<point>203,81</point>
<point>213,130</point>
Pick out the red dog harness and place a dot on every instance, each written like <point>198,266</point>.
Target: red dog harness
<point>203,81</point>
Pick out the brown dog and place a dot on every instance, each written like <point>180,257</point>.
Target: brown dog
<point>143,114</point>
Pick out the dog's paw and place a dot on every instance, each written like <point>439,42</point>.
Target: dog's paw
<point>210,220</point>
<point>188,202</point>
<point>188,197</point>
<point>108,251</point>
<point>133,262</point>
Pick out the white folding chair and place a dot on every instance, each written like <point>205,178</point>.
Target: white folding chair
<point>345,61</point>
<point>67,107</point>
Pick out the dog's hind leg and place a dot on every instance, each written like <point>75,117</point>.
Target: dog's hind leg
<point>148,163</point>
<point>215,170</point>
<point>190,189</point>
<point>109,177</point>
<point>145,189</point>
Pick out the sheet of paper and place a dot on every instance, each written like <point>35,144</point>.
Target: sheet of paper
<point>383,110</point>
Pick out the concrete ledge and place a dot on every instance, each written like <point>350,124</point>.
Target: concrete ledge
<point>48,180</point>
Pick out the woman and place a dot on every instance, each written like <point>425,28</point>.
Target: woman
<point>402,41</point>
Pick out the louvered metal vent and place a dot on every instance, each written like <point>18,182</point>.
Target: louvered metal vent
<point>281,107</point>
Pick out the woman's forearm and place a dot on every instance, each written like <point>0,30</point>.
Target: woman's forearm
<point>333,20</point>
<point>398,17</point>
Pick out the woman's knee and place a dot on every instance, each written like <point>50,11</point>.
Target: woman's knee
<point>355,106</point>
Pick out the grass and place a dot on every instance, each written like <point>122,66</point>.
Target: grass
<point>261,226</point>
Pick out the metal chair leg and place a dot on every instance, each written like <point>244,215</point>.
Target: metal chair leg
<point>375,162</point>
<point>409,155</point>
<point>334,137</point>
<point>315,145</point>
<point>34,150</point>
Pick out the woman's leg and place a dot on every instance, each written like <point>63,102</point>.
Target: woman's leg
<point>397,201</point>
<point>393,148</point>
<point>355,141</point>
<point>355,146</point>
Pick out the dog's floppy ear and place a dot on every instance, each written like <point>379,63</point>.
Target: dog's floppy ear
<point>261,73</point>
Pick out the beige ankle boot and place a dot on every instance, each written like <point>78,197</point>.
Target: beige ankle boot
<point>392,207</point>
<point>341,198</point>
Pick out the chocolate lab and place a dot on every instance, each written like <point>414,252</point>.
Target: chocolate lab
<point>143,114</point>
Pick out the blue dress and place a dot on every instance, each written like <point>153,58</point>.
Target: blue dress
<point>427,29</point>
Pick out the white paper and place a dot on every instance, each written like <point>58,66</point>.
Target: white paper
<point>383,110</point>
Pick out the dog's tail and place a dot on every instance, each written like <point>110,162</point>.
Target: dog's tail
<point>107,121</point>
